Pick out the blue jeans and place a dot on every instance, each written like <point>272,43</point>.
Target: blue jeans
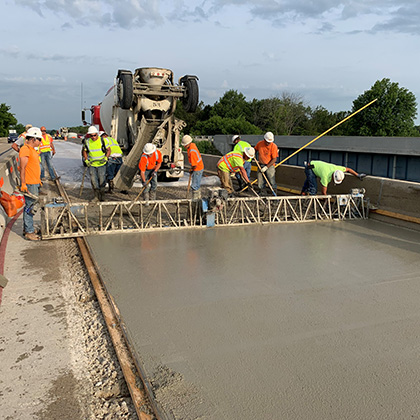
<point>97,176</point>
<point>112,167</point>
<point>28,217</point>
<point>310,186</point>
<point>46,163</point>
<point>196,180</point>
<point>247,167</point>
<point>152,185</point>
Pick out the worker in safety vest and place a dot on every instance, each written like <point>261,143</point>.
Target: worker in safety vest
<point>114,161</point>
<point>46,148</point>
<point>149,164</point>
<point>267,156</point>
<point>30,179</point>
<point>95,153</point>
<point>197,165</point>
<point>239,147</point>
<point>21,139</point>
<point>326,172</point>
<point>233,162</point>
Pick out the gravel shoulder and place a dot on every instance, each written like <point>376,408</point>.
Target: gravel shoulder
<point>56,357</point>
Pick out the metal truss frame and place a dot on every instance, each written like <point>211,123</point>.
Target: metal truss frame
<point>63,220</point>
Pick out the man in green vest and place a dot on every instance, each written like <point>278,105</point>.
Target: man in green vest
<point>114,161</point>
<point>239,147</point>
<point>95,153</point>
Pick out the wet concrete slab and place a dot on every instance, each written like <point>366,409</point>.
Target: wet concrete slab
<point>299,321</point>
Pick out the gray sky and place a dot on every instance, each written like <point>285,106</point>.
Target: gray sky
<point>329,51</point>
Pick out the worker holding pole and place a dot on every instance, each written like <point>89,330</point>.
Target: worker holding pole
<point>231,163</point>
<point>326,172</point>
<point>149,164</point>
<point>239,147</point>
<point>267,156</point>
<point>197,166</point>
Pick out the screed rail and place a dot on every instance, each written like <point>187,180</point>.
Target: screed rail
<point>62,220</point>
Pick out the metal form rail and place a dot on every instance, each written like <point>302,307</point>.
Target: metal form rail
<point>63,220</point>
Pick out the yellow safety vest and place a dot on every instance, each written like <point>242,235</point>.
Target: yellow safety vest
<point>96,156</point>
<point>231,162</point>
<point>45,145</point>
<point>115,147</point>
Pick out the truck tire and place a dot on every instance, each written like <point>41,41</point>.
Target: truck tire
<point>125,90</point>
<point>190,100</point>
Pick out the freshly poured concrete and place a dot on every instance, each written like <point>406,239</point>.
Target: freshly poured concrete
<point>300,321</point>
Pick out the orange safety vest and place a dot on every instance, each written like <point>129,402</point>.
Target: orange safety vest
<point>45,145</point>
<point>226,158</point>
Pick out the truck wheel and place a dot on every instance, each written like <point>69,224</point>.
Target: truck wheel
<point>190,100</point>
<point>125,90</point>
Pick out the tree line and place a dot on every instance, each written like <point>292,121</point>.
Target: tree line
<point>392,115</point>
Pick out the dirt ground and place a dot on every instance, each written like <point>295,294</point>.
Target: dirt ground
<point>56,357</point>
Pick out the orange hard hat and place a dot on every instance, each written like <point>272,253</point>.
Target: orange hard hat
<point>43,128</point>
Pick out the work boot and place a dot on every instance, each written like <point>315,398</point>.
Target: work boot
<point>146,196</point>
<point>110,186</point>
<point>196,195</point>
<point>96,198</point>
<point>152,195</point>
<point>31,236</point>
<point>101,194</point>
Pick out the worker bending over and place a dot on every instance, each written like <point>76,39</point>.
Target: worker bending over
<point>46,148</point>
<point>326,172</point>
<point>149,164</point>
<point>267,156</point>
<point>197,166</point>
<point>95,153</point>
<point>233,162</point>
<point>30,179</point>
<point>239,147</point>
<point>114,161</point>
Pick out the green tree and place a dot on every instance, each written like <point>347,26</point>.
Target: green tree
<point>283,115</point>
<point>233,105</point>
<point>321,120</point>
<point>392,114</point>
<point>201,114</point>
<point>220,125</point>
<point>7,120</point>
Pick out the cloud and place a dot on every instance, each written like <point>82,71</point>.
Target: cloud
<point>384,15</point>
<point>122,13</point>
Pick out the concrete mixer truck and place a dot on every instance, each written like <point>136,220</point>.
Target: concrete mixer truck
<point>138,109</point>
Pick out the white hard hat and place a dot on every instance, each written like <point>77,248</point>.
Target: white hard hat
<point>101,132</point>
<point>186,140</point>
<point>149,148</point>
<point>235,137</point>
<point>338,177</point>
<point>250,152</point>
<point>92,130</point>
<point>269,136</point>
<point>34,132</point>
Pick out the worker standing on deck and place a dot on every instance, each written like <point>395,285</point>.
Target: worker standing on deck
<point>267,156</point>
<point>233,162</point>
<point>239,147</point>
<point>114,161</point>
<point>197,165</point>
<point>95,153</point>
<point>326,172</point>
<point>46,148</point>
<point>30,179</point>
<point>149,164</point>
